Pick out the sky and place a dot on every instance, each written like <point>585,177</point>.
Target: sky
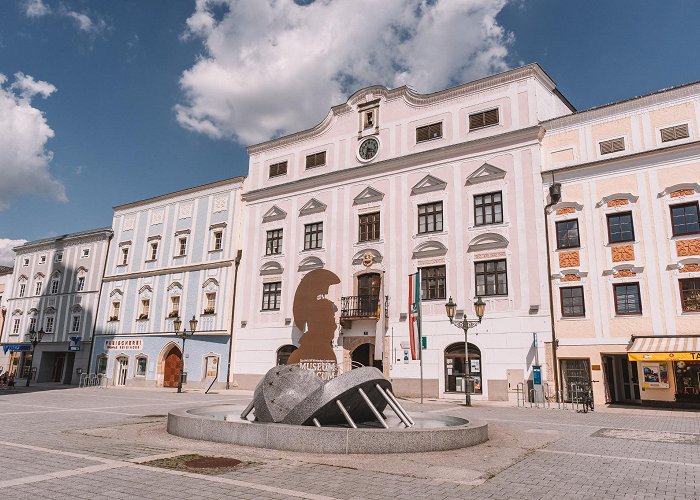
<point>106,102</point>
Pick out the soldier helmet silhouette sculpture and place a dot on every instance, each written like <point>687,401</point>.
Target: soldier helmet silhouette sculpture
<point>315,317</point>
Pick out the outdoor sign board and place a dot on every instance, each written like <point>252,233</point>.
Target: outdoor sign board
<point>16,347</point>
<point>124,345</point>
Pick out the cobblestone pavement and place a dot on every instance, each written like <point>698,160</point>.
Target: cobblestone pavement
<point>89,443</point>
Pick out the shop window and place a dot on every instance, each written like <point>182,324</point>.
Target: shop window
<point>620,227</point>
<point>687,380</point>
<point>627,300</point>
<point>576,378</point>
<point>567,234</point>
<point>433,283</point>
<point>491,277</point>
<point>684,219</point>
<point>572,304</point>
<point>690,294</point>
<point>141,364</point>
<point>488,209</point>
<point>456,376</point>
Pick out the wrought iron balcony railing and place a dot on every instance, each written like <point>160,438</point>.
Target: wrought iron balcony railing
<point>359,307</point>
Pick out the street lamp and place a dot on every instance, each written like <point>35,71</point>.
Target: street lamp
<point>34,338</point>
<point>177,323</point>
<point>479,308</point>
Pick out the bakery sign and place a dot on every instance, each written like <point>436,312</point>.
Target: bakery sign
<point>124,345</point>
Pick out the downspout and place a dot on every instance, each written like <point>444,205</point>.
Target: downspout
<point>97,309</point>
<point>554,197</point>
<point>233,312</point>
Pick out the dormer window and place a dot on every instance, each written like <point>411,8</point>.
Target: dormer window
<point>368,119</point>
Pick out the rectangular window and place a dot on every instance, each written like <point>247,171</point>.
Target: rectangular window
<point>75,324</point>
<point>430,217</point>
<point>141,363</point>
<point>42,259</point>
<point>32,324</point>
<point>369,227</point>
<point>102,364</point>
<point>684,219</point>
<point>182,249</point>
<point>145,308</point>
<point>49,325</point>
<point>58,257</point>
<point>115,311</point>
<point>674,133</point>
<point>491,278</point>
<point>488,209</point>
<point>272,296</point>
<point>313,236</point>
<point>273,242</point>
<point>277,169</point>
<point>316,160</point>
<point>125,256</point>
<point>567,234</point>
<point>210,307</point>
<point>174,306</point>
<point>483,119</point>
<point>81,283</point>
<point>37,289</point>
<point>612,146</point>
<point>690,294</point>
<point>154,250</point>
<point>25,263</point>
<point>22,289</point>
<point>368,119</point>
<point>433,283</point>
<point>627,299</point>
<point>572,305</point>
<point>85,254</point>
<point>54,287</point>
<point>429,132</point>
<point>218,240</point>
<point>15,326</point>
<point>620,227</point>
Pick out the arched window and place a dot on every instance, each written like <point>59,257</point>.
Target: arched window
<point>456,368</point>
<point>284,352</point>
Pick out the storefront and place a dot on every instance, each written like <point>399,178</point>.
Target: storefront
<point>668,366</point>
<point>455,368</point>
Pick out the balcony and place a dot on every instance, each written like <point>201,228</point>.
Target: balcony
<point>358,307</point>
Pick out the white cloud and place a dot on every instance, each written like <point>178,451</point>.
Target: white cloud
<point>7,256</point>
<point>272,66</point>
<point>24,132</point>
<point>85,23</point>
<point>36,8</point>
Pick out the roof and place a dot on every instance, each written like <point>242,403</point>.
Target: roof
<point>5,270</point>
<point>185,191</point>
<point>62,237</point>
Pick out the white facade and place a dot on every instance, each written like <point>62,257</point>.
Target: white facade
<point>172,255</point>
<point>458,162</point>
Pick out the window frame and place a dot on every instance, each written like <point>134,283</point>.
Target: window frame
<point>273,241</point>
<point>433,286</point>
<point>32,324</point>
<point>483,206</point>
<point>136,365</point>
<point>372,228</point>
<point>619,214</point>
<point>612,144</point>
<point>58,257</point>
<point>639,298</point>
<point>115,310</point>
<point>674,130</point>
<point>561,246</point>
<point>154,250</point>
<point>482,114</point>
<point>430,132</point>
<point>431,214</point>
<point>486,273</point>
<point>85,253</point>
<point>218,236</point>
<point>38,288</point>
<point>80,284</point>
<point>181,246</point>
<point>679,205</point>
<point>272,297</point>
<point>312,160</point>
<point>564,306</point>
<point>55,285</point>
<point>696,283</point>
<point>174,311</point>
<point>22,290</point>
<point>75,327</point>
<point>15,326</point>
<point>210,303</point>
<point>49,324</point>
<point>124,261</point>
<point>313,234</point>
<point>277,166</point>
<point>145,309</point>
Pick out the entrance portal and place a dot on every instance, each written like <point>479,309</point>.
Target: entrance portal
<point>122,370</point>
<point>621,379</point>
<point>59,362</point>
<point>455,368</point>
<point>173,365</point>
<point>363,355</point>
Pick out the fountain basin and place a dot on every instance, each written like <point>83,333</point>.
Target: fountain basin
<point>431,432</point>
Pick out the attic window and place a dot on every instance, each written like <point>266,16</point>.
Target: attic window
<point>316,160</point>
<point>277,169</point>
<point>428,132</point>
<point>368,119</point>
<point>612,146</point>
<point>674,133</point>
<point>483,119</point>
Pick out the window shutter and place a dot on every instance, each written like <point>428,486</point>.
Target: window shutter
<point>612,146</point>
<point>491,117</point>
<point>674,133</point>
<point>422,134</point>
<point>483,119</point>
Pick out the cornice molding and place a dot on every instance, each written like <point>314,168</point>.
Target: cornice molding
<point>168,270</point>
<point>64,242</point>
<point>384,167</point>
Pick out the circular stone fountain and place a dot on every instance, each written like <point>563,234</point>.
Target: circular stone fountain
<point>296,411</point>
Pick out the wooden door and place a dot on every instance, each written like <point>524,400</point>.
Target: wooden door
<point>171,372</point>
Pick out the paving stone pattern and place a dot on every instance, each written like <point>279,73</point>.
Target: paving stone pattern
<point>86,443</point>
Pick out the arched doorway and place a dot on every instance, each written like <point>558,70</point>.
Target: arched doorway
<point>364,355</point>
<point>172,367</point>
<point>455,368</point>
<point>121,369</point>
<point>284,352</point>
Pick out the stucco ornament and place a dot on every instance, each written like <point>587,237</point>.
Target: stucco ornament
<point>367,259</point>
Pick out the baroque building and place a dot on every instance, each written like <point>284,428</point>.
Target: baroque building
<point>389,183</point>
<point>174,255</point>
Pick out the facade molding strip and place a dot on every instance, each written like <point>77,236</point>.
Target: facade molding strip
<point>167,270</point>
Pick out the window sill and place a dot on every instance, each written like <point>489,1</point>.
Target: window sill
<point>150,260</point>
<point>628,315</point>
<point>208,314</point>
<point>273,255</point>
<point>139,376</point>
<point>428,141</point>
<point>141,319</point>
<point>215,250</point>
<point>269,310</point>
<point>676,237</point>
<point>568,249</point>
<point>369,242</point>
<point>429,234</point>
<point>482,128</point>
<point>620,243</point>
<point>572,318</point>
<point>313,249</point>
<point>179,256</point>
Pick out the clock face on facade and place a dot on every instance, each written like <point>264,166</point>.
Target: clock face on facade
<point>368,148</point>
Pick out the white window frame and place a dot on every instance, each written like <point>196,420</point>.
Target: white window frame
<point>154,250</point>
<point>174,309</point>
<point>32,324</point>
<point>49,324</point>
<point>55,285</point>
<point>182,245</point>
<point>15,326</point>
<point>145,308</point>
<point>136,365</point>
<point>116,307</point>
<point>124,256</point>
<point>22,290</point>
<point>210,302</point>
<point>25,262</point>
<point>220,238</point>
<point>42,259</point>
<point>38,287</point>
<point>85,253</point>
<point>58,257</point>
<point>81,284</point>
<point>75,327</point>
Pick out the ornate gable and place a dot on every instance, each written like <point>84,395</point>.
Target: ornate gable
<point>271,269</point>
<point>429,249</point>
<point>313,206</point>
<point>368,195</point>
<point>275,213</point>
<point>427,184</point>
<point>485,173</point>
<point>488,241</point>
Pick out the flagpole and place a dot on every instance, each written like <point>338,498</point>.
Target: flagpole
<point>420,338</point>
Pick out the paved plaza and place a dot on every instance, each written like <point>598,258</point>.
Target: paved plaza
<point>108,443</point>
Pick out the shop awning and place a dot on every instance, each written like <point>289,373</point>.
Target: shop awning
<point>665,348</point>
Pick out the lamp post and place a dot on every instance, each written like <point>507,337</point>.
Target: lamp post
<point>177,323</point>
<point>34,338</point>
<point>479,308</point>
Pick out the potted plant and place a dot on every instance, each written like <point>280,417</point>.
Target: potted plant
<point>209,310</point>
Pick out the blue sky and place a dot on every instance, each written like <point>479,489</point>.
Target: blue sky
<point>131,99</point>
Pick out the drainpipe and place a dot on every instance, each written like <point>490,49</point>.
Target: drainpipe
<point>233,311</point>
<point>554,197</point>
<point>97,309</point>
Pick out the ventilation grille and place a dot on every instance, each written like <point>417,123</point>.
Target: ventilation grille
<point>483,119</point>
<point>674,133</point>
<point>612,146</point>
<point>316,160</point>
<point>428,132</point>
<point>277,169</point>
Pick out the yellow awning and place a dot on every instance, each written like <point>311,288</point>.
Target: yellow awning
<point>665,348</point>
